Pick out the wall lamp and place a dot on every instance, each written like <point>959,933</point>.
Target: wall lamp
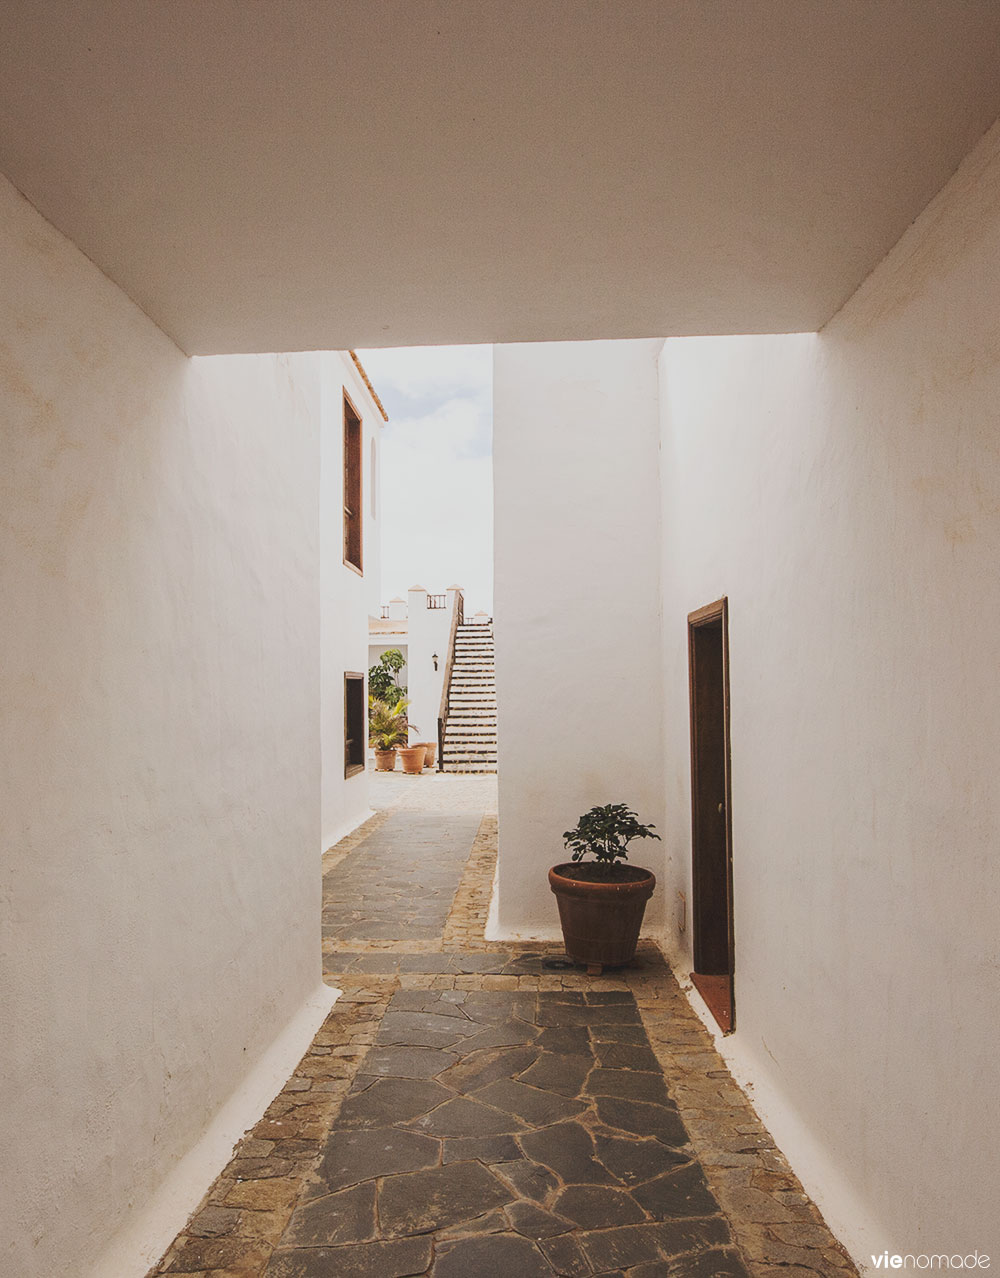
<point>434,658</point>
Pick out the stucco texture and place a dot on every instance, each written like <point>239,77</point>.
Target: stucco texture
<point>160,797</point>
<point>577,555</point>
<point>843,490</point>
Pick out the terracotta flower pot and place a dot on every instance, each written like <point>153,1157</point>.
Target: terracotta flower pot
<point>412,758</point>
<point>431,747</point>
<point>385,760</point>
<point>601,920</point>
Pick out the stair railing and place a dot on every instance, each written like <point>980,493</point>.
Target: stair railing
<point>457,618</point>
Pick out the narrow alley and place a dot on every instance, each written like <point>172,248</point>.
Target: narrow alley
<point>478,1110</point>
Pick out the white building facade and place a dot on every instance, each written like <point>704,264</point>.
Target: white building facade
<point>841,491</point>
<point>422,629</point>
<point>170,668</point>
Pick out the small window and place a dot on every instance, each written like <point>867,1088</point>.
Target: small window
<point>354,724</point>
<point>353,500</point>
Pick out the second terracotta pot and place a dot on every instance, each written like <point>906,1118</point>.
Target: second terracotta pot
<point>412,758</point>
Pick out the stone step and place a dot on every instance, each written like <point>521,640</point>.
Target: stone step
<point>470,738</point>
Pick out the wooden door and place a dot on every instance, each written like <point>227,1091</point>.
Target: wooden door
<point>711,822</point>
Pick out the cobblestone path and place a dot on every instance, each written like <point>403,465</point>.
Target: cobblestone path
<point>401,881</point>
<point>475,1110</point>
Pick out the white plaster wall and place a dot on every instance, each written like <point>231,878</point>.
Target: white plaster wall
<point>577,606</point>
<point>843,489</point>
<point>348,598</point>
<point>429,633</point>
<point>159,910</point>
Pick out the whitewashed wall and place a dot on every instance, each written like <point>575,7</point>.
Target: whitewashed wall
<point>348,598</point>
<point>429,633</point>
<point>843,490</point>
<point>159,647</point>
<point>577,606</point>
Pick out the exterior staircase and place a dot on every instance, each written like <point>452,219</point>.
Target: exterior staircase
<point>470,730</point>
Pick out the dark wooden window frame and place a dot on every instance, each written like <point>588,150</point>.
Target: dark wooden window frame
<point>355,723</point>
<point>717,989</point>
<point>354,488</point>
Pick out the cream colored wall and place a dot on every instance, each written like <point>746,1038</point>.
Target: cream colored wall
<point>429,631</point>
<point>160,734</point>
<point>347,597</point>
<point>843,489</point>
<point>577,582</point>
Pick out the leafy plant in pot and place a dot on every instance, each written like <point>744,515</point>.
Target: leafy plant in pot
<point>601,902</point>
<point>387,729</point>
<point>383,677</point>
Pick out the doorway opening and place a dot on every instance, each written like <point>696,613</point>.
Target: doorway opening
<point>711,819</point>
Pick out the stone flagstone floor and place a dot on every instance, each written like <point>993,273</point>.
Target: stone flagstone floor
<point>472,1110</point>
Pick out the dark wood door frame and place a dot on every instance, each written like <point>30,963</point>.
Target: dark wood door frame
<point>711,815</point>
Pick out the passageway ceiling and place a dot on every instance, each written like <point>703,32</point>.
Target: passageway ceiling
<point>290,174</point>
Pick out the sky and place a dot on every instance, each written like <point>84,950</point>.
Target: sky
<point>436,469</point>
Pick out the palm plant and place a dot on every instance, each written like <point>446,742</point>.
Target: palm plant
<point>387,723</point>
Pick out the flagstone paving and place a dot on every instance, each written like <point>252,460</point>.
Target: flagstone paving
<point>475,1110</point>
<point>484,1129</point>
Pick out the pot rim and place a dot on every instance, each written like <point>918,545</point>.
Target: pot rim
<point>581,887</point>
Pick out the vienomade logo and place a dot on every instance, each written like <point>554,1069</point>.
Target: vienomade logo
<point>924,1261</point>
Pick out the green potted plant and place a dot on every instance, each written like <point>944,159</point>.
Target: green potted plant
<point>383,677</point>
<point>387,729</point>
<point>602,901</point>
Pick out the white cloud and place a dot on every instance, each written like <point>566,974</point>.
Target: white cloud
<point>419,372</point>
<point>437,470</point>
